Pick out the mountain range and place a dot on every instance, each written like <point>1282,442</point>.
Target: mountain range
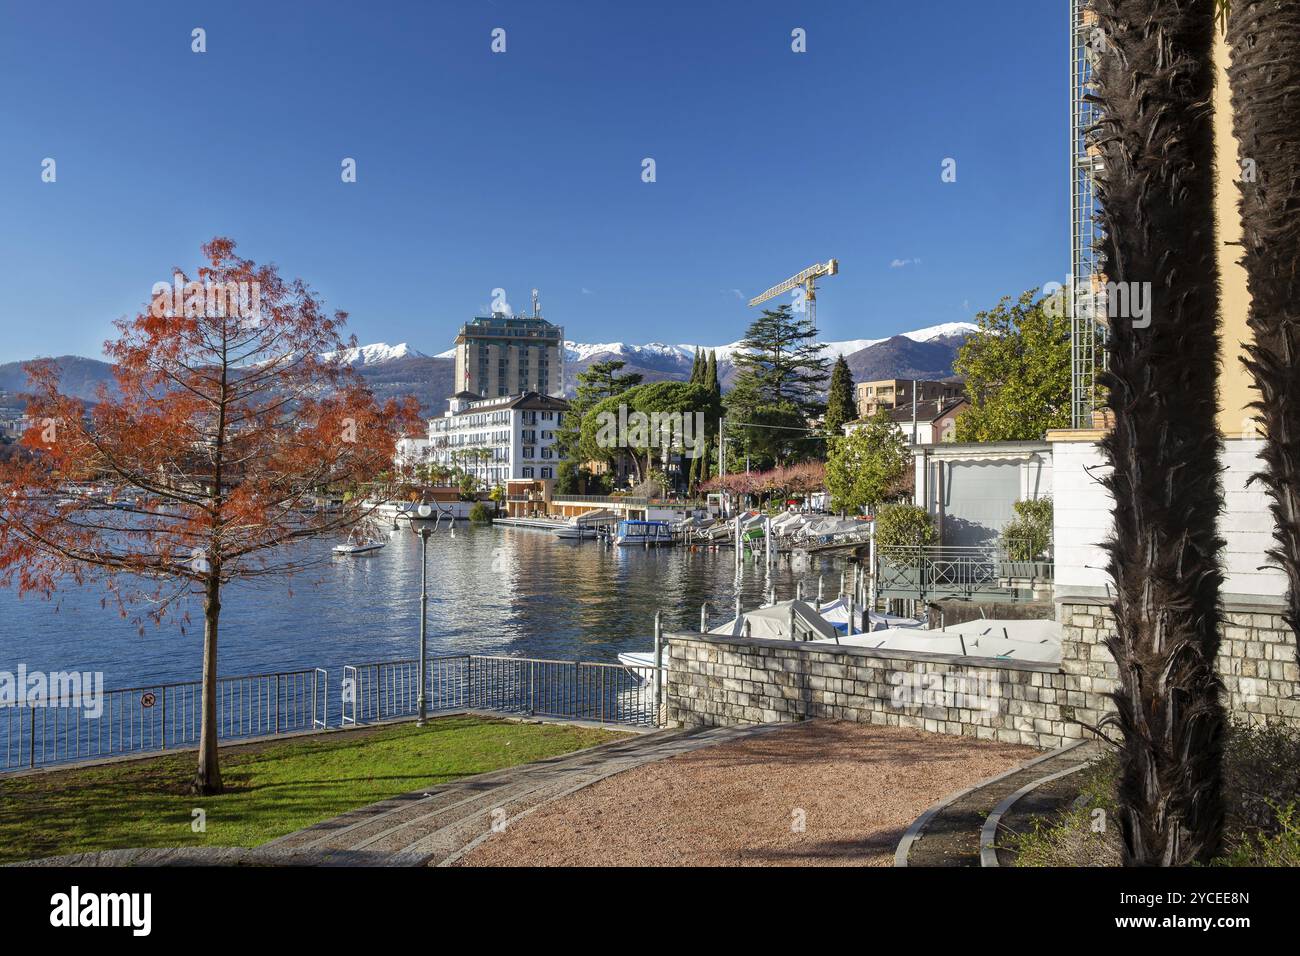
<point>393,370</point>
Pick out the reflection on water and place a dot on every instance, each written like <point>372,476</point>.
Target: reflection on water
<point>491,591</point>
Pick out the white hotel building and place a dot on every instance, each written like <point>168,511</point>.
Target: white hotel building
<point>495,439</point>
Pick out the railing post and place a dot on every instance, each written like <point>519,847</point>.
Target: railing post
<point>31,737</point>
<point>658,674</point>
<point>277,702</point>
<point>164,718</point>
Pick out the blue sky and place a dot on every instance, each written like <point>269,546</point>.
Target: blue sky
<point>478,170</point>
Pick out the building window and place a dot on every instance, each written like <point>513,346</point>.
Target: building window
<point>529,452</point>
<point>528,472</point>
<point>546,473</point>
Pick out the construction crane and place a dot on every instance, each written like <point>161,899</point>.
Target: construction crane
<point>808,279</point>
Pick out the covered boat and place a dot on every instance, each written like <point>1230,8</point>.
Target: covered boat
<point>1038,641</point>
<point>645,533</point>
<point>837,614</point>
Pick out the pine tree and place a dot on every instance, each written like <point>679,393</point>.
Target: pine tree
<point>781,371</point>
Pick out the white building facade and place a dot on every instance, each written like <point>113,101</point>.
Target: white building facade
<point>498,439</point>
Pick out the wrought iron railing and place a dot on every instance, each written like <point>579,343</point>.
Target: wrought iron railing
<point>939,571</point>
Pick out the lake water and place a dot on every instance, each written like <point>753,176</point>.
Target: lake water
<point>512,591</point>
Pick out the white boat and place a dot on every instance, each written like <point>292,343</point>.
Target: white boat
<point>585,525</point>
<point>1038,641</point>
<point>782,621</point>
<point>837,614</point>
<point>364,539</point>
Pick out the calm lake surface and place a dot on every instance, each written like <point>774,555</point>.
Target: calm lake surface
<point>510,591</point>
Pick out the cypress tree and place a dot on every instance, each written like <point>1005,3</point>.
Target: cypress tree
<point>840,407</point>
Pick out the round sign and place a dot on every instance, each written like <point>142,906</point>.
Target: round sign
<point>147,699</point>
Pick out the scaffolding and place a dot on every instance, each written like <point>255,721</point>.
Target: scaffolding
<point>1084,290</point>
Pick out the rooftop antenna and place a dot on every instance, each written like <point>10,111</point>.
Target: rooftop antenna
<point>537,309</point>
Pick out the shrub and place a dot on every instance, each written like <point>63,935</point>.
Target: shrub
<point>900,527</point>
<point>1028,535</point>
<point>480,512</point>
<point>1281,848</point>
<point>1261,791</point>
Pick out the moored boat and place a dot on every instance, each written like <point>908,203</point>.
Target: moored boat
<point>645,533</point>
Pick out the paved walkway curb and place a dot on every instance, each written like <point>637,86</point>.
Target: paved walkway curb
<point>919,826</point>
<point>989,832</point>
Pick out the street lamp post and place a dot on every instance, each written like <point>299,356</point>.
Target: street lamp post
<point>421,704</point>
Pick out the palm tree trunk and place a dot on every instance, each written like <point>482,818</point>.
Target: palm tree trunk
<point>1265,77</point>
<point>1155,82</point>
<point>207,780</point>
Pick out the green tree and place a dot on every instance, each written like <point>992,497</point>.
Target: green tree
<point>1017,371</point>
<point>778,386</point>
<point>597,382</point>
<point>598,441</point>
<point>862,466</point>
<point>702,467</point>
<point>840,407</point>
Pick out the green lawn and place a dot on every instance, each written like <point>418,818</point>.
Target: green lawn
<point>271,789</point>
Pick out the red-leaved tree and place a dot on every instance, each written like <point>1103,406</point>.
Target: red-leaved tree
<point>233,409</point>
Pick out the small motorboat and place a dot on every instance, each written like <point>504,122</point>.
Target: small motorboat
<point>364,539</point>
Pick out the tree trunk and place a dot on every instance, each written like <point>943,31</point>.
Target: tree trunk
<point>1155,83</point>
<point>207,779</point>
<point>1265,78</point>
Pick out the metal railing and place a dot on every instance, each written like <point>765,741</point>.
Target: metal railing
<point>942,571</point>
<point>159,717</point>
<point>383,690</point>
<point>576,690</point>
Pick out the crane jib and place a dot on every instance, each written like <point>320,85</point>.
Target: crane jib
<point>806,278</point>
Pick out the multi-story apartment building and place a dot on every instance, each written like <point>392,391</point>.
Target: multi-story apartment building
<point>890,393</point>
<point>500,355</point>
<point>498,439</point>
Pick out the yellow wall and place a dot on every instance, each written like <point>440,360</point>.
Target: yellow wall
<point>1236,391</point>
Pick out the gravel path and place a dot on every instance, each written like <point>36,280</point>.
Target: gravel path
<point>854,787</point>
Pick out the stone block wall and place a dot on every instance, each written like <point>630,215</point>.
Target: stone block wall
<point>715,680</point>
<point>1257,661</point>
<point>718,680</point>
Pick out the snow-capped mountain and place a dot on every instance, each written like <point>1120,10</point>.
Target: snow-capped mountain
<point>658,351</point>
<point>398,370</point>
<point>376,354</point>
